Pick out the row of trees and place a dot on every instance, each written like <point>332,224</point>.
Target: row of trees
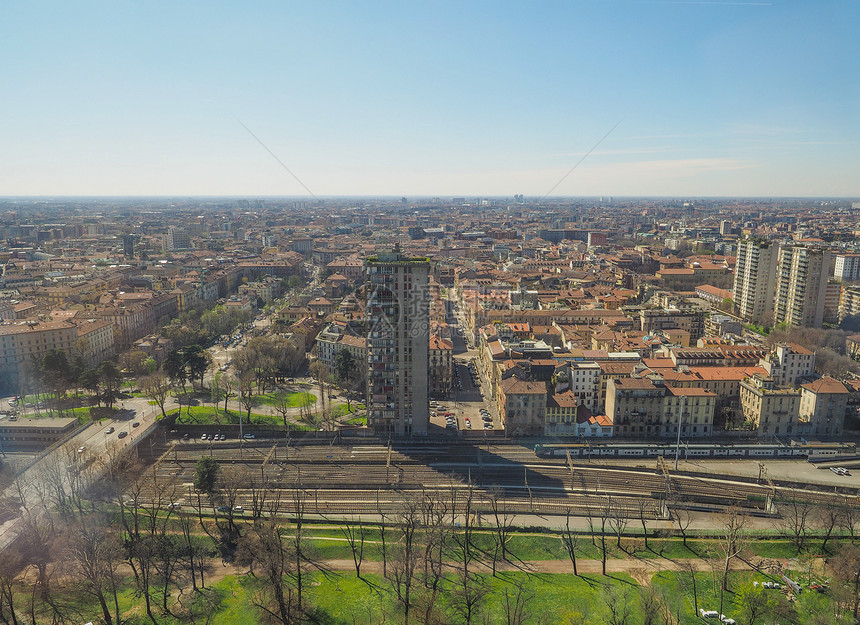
<point>59,374</point>
<point>203,327</point>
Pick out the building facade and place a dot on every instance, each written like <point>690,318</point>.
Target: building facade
<point>755,278</point>
<point>823,404</point>
<point>398,343</point>
<point>847,267</point>
<point>801,289</point>
<point>772,410</point>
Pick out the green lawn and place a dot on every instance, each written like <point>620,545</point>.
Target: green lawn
<point>206,415</point>
<point>678,588</point>
<point>341,410</point>
<point>294,399</point>
<point>556,598</point>
<point>531,546</point>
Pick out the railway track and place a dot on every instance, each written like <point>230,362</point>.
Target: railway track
<point>364,473</point>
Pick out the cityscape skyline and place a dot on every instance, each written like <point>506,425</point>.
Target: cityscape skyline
<point>711,99</point>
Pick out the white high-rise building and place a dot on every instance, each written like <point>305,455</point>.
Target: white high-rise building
<point>847,267</point>
<point>802,292</point>
<point>398,314</point>
<point>755,278</point>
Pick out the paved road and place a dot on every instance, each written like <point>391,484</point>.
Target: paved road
<point>96,443</point>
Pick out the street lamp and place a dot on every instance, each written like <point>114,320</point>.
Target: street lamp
<point>678,441</point>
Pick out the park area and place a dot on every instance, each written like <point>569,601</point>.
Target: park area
<point>124,550</point>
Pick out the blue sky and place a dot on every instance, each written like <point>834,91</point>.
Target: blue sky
<point>434,98</point>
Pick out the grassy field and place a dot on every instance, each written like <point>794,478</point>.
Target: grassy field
<point>206,415</point>
<point>341,410</point>
<point>340,598</point>
<point>549,546</point>
<point>294,399</point>
<point>343,599</point>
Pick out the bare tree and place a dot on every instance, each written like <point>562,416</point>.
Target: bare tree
<point>605,513</point>
<point>355,534</point>
<point>642,508</point>
<point>405,561</point>
<point>229,384</point>
<point>683,518</point>
<point>617,520</point>
<point>157,387</point>
<point>516,603</point>
<point>437,535</point>
<point>468,596</point>
<point>845,567</point>
<point>282,406</point>
<point>91,554</point>
<point>195,560</point>
<point>796,517</point>
<point>198,608</point>
<point>689,568</point>
<point>570,540</point>
<point>247,398</point>
<point>619,603</point>
<point>382,532</point>
<point>503,528</point>
<point>271,557</point>
<point>653,608</point>
<point>37,540</point>
<point>827,519</point>
<point>11,563</point>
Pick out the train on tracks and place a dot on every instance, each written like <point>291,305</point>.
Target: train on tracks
<point>814,452</point>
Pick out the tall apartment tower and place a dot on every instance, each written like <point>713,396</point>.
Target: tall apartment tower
<point>847,267</point>
<point>802,286</point>
<point>398,315</point>
<point>755,278</point>
<point>175,239</point>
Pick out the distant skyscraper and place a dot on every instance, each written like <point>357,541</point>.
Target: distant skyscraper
<point>128,241</point>
<point>847,267</point>
<point>398,303</point>
<point>176,239</point>
<point>755,277</point>
<point>802,286</point>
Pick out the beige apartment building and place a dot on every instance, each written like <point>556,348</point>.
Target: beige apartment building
<point>441,366</point>
<point>773,410</point>
<point>649,408</point>
<point>95,341</point>
<point>823,404</point>
<point>635,406</point>
<point>23,342</point>
<point>789,364</point>
<point>755,279</point>
<point>523,406</point>
<point>801,289</point>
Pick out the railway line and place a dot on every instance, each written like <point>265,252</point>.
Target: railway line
<point>378,479</point>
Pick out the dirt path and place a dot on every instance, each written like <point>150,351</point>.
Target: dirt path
<point>642,570</point>
<point>631,566</point>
